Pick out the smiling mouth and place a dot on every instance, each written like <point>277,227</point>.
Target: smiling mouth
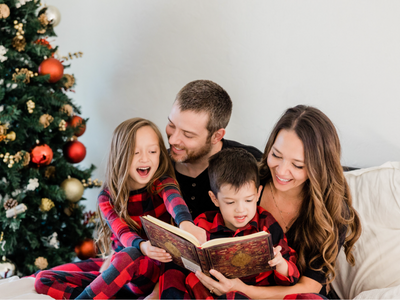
<point>281,179</point>
<point>143,171</point>
<point>240,218</point>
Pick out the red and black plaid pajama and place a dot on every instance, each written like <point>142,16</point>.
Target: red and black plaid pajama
<point>130,274</point>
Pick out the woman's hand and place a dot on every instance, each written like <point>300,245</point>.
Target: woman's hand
<point>154,252</point>
<point>220,287</point>
<point>198,232</point>
<point>279,262</point>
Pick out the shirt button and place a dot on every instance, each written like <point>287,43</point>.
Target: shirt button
<point>193,184</point>
<point>193,197</point>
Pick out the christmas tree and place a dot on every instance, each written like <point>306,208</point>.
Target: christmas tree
<point>41,220</point>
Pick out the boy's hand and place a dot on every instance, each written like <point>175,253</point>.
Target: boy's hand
<point>154,252</point>
<point>279,262</point>
<point>198,232</point>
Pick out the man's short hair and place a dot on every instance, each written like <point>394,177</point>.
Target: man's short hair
<point>206,96</point>
<point>234,166</point>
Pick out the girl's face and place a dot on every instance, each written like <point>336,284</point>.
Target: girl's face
<point>146,158</point>
<point>286,162</point>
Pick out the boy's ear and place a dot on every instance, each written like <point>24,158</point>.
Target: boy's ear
<point>217,136</point>
<point>213,198</point>
<point>259,191</point>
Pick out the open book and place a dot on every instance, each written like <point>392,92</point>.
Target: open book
<point>234,257</point>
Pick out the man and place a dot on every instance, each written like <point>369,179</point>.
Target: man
<point>195,131</point>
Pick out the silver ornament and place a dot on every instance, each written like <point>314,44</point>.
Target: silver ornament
<point>53,15</point>
<point>7,268</point>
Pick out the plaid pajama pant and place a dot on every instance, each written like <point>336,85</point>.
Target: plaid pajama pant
<point>178,283</point>
<point>130,275</point>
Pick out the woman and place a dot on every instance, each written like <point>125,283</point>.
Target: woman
<point>305,190</point>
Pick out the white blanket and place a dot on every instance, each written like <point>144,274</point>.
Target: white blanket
<point>19,288</point>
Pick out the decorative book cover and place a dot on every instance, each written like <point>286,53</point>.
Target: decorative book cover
<point>233,257</point>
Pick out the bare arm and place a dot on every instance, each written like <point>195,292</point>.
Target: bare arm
<point>304,285</point>
<point>225,285</point>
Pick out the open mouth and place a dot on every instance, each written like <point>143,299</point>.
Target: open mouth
<point>283,180</point>
<point>143,171</point>
<point>240,218</point>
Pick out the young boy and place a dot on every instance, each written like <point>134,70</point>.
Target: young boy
<point>235,190</point>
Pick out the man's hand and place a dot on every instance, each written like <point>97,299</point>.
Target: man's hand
<point>154,252</point>
<point>198,232</point>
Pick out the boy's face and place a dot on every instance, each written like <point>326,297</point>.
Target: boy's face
<point>237,207</point>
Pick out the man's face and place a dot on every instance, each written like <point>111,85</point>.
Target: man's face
<point>188,136</point>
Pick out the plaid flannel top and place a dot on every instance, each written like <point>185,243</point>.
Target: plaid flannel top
<point>168,202</point>
<point>214,225</point>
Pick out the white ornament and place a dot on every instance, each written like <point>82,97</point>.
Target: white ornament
<point>14,85</point>
<point>33,184</point>
<point>1,81</point>
<point>3,51</point>
<point>19,209</point>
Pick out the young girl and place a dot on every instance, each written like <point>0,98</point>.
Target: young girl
<point>139,181</point>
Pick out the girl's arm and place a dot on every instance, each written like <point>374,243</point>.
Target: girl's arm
<point>127,236</point>
<point>178,209</point>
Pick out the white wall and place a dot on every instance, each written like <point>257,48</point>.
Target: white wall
<point>340,56</point>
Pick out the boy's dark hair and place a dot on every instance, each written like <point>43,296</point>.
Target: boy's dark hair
<point>206,96</point>
<point>234,166</point>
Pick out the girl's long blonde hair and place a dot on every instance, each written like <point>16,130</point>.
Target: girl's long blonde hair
<point>327,205</point>
<point>117,174</point>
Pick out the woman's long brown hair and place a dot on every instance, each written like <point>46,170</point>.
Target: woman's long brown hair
<point>117,174</point>
<point>326,192</point>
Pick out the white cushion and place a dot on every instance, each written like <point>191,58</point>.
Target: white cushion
<point>388,293</point>
<point>376,197</point>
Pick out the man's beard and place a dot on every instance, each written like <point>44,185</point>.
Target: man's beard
<point>192,156</point>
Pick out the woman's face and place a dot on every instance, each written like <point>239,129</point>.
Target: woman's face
<point>286,162</point>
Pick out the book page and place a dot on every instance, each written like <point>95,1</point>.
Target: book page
<point>186,235</point>
<point>232,239</point>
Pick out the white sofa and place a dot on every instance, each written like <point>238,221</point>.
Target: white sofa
<point>376,197</point>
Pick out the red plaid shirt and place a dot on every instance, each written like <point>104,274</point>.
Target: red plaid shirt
<point>168,202</point>
<point>215,227</point>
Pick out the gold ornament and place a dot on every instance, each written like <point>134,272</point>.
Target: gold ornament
<point>4,11</point>
<point>66,108</point>
<point>19,43</point>
<point>50,172</point>
<point>70,81</point>
<point>31,105</point>
<point>28,74</point>
<point>73,189</point>
<point>27,159</point>
<point>90,183</point>
<point>62,126</point>
<point>43,20</point>
<point>41,31</point>
<point>41,263</point>
<point>3,129</point>
<point>46,205</point>
<point>45,120</point>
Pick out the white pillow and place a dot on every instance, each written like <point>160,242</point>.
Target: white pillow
<point>389,293</point>
<point>376,197</point>
<point>20,288</point>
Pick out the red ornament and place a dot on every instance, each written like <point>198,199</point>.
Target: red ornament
<point>76,122</point>
<point>74,151</point>
<point>53,67</point>
<point>41,155</point>
<point>86,249</point>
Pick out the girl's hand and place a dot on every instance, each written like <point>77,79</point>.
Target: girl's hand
<point>279,262</point>
<point>198,232</point>
<point>154,252</point>
<point>220,287</point>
